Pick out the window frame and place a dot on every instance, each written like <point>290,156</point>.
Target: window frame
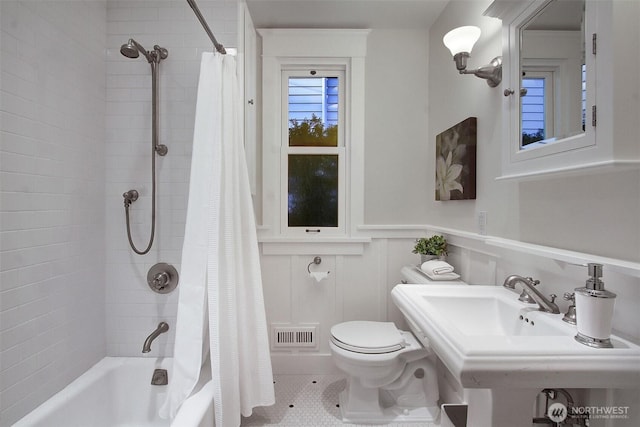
<point>285,49</point>
<point>329,70</point>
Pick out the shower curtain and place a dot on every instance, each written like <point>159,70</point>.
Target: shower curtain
<point>221,316</point>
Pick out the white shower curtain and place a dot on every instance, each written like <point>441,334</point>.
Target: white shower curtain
<point>221,305</point>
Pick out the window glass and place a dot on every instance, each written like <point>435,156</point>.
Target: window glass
<point>313,111</point>
<point>313,190</point>
<point>533,110</point>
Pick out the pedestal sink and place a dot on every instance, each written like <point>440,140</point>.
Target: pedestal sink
<point>490,340</point>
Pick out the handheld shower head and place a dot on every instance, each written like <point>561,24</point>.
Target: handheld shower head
<point>129,49</point>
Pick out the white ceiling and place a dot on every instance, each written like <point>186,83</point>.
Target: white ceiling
<point>345,13</point>
<point>561,15</point>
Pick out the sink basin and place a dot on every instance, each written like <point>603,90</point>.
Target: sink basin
<point>496,314</point>
<point>488,339</point>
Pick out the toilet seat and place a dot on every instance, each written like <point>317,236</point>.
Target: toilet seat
<point>368,337</point>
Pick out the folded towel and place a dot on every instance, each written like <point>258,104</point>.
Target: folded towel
<point>443,277</point>
<point>436,267</point>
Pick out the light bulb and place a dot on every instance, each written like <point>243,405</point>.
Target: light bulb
<point>461,39</point>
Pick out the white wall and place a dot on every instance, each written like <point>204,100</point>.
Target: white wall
<point>398,178</point>
<point>52,94</point>
<point>132,309</point>
<point>595,213</point>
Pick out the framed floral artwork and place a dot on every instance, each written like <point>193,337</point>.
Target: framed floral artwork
<point>456,161</point>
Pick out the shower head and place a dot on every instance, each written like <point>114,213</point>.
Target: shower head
<point>129,49</point>
<point>132,49</point>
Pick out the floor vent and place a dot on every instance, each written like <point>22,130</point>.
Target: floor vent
<point>294,336</point>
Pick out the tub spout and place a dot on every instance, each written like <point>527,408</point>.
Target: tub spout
<point>162,327</point>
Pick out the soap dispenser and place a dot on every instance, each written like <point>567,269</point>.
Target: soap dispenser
<point>594,310</point>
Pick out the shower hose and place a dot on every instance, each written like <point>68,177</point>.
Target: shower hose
<point>127,202</point>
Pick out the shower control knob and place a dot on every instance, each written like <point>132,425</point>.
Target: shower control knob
<point>162,278</point>
<point>160,281</point>
<point>162,150</point>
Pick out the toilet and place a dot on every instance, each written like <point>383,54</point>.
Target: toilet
<point>391,376</point>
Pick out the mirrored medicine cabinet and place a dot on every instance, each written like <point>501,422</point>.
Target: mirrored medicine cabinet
<point>552,75</point>
<point>550,64</point>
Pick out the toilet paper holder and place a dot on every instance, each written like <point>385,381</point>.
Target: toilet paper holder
<point>316,260</point>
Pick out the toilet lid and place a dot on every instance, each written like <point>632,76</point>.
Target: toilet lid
<point>367,337</point>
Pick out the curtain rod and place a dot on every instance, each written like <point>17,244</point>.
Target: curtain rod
<point>220,48</point>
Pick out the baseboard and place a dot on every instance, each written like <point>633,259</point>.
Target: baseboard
<point>303,363</point>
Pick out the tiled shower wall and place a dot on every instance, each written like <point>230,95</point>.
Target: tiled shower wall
<point>52,132</point>
<point>132,309</point>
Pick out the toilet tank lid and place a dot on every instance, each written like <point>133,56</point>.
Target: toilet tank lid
<point>365,334</point>
<point>413,274</point>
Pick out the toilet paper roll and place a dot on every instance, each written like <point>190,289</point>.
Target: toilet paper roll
<point>319,275</point>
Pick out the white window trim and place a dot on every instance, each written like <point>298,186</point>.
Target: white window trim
<point>339,150</point>
<point>288,48</point>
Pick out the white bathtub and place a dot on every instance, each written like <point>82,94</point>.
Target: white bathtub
<point>117,392</point>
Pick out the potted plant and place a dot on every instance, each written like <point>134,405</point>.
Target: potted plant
<point>431,247</point>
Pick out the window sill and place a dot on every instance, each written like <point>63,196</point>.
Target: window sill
<point>317,246</point>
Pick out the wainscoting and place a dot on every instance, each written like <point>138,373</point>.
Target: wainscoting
<point>363,271</point>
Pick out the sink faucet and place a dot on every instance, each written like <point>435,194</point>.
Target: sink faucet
<point>528,286</point>
<point>162,327</point>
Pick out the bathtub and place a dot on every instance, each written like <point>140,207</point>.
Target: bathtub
<point>117,392</point>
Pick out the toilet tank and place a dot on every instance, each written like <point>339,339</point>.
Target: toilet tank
<point>413,274</point>
<point>409,274</point>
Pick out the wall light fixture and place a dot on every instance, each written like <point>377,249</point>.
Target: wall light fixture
<point>460,42</point>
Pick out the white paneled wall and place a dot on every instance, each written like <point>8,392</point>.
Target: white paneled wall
<point>132,309</point>
<point>52,101</point>
<point>359,286</point>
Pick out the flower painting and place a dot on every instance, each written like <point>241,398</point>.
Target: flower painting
<point>456,162</point>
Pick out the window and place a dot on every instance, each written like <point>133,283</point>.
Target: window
<point>537,107</point>
<point>312,134</point>
<point>313,151</point>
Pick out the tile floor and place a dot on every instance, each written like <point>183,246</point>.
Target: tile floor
<point>306,401</point>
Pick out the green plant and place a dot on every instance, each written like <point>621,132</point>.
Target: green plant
<point>312,132</point>
<point>434,245</point>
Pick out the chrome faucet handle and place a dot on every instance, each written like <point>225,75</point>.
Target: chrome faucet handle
<point>570,315</point>
<point>524,295</point>
<point>160,280</point>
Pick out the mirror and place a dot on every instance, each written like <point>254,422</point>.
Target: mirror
<point>553,74</point>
